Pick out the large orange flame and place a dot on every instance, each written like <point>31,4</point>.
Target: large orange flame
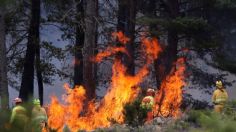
<point>110,108</point>
<point>168,99</point>
<point>123,90</point>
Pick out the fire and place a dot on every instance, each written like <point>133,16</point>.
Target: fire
<point>121,37</point>
<point>152,48</point>
<point>113,50</point>
<point>168,99</point>
<point>110,51</point>
<point>76,62</point>
<point>123,90</point>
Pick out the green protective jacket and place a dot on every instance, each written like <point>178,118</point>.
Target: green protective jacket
<point>39,114</point>
<point>147,105</point>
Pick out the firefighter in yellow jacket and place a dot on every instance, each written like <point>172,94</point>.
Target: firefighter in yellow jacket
<point>38,117</point>
<point>148,102</point>
<point>219,97</point>
<point>19,116</point>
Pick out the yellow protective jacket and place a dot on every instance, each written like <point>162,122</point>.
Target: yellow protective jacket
<point>39,114</point>
<point>19,115</point>
<point>220,97</point>
<point>147,102</point>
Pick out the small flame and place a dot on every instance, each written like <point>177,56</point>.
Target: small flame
<point>168,99</point>
<point>121,37</point>
<point>151,47</point>
<point>113,50</point>
<point>110,51</point>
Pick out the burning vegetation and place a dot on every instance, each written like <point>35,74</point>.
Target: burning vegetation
<point>123,89</point>
<point>168,99</point>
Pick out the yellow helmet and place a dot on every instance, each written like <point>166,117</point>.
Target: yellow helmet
<point>219,84</point>
<point>36,102</point>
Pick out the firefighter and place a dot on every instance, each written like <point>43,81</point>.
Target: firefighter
<point>219,97</point>
<point>19,117</point>
<point>148,103</point>
<point>38,117</point>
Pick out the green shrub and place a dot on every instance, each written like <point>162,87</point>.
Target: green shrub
<point>4,119</point>
<point>207,121</point>
<point>210,121</point>
<point>134,114</point>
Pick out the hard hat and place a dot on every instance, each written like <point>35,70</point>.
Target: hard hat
<point>150,90</point>
<point>36,102</point>
<point>17,100</point>
<point>219,84</point>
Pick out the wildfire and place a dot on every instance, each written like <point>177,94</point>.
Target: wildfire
<point>121,37</point>
<point>123,90</point>
<point>151,48</point>
<point>168,99</point>
<point>110,51</point>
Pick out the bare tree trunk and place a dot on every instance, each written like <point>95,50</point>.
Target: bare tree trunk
<point>164,64</point>
<point>96,49</point>
<point>38,62</point>
<point>89,48</point>
<point>27,84</point>
<point>171,54</point>
<point>129,60</point>
<point>39,73</point>
<point>126,24</point>
<point>78,65</point>
<point>4,95</point>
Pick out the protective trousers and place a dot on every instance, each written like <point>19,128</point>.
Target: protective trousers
<point>218,108</point>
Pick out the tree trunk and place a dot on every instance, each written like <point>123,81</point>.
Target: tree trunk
<point>38,64</point>
<point>171,54</point>
<point>89,48</point>
<point>126,24</point>
<point>39,73</point>
<point>79,43</point>
<point>164,64</point>
<point>151,12</point>
<point>27,84</point>
<point>4,95</point>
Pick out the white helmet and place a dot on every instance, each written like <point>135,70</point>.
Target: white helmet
<point>17,100</point>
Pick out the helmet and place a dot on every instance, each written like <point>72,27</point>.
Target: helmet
<point>219,84</point>
<point>36,102</point>
<point>17,100</point>
<point>150,90</point>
